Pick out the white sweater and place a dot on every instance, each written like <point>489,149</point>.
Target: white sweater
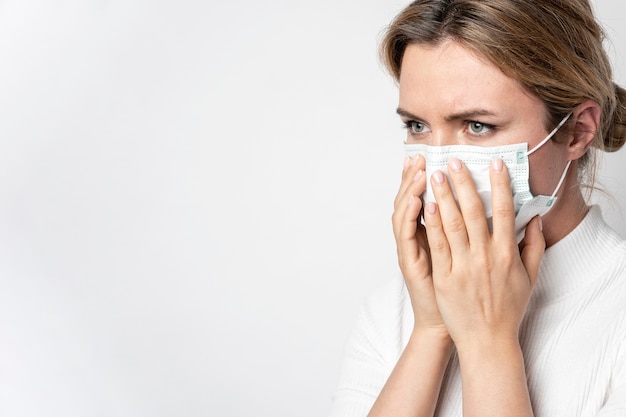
<point>573,336</point>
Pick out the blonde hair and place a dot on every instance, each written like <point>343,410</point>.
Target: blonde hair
<point>553,48</point>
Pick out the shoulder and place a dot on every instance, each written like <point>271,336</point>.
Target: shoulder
<point>612,254</point>
<point>385,320</point>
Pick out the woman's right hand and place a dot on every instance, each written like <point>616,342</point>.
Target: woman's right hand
<point>415,382</point>
<point>412,247</point>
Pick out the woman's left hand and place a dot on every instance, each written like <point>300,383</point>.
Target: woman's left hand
<point>482,281</point>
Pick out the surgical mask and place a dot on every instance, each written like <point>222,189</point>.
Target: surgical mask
<point>478,159</point>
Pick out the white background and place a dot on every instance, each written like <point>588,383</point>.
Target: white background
<point>195,197</point>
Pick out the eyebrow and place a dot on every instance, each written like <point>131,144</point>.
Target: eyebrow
<point>465,115</point>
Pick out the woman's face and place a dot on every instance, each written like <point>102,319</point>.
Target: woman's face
<point>448,96</point>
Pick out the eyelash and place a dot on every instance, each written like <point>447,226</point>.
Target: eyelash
<point>408,126</point>
<point>490,128</point>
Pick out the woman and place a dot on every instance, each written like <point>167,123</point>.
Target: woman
<point>512,303</point>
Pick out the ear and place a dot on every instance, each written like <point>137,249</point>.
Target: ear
<point>586,118</point>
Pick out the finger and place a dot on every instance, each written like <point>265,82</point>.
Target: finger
<point>472,208</point>
<point>534,248</point>
<point>411,191</point>
<point>437,241</point>
<point>502,203</point>
<point>409,211</point>
<point>406,225</point>
<point>451,218</point>
<point>411,166</point>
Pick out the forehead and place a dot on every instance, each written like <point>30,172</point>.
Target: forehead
<point>449,77</point>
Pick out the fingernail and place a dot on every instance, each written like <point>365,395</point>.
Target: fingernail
<point>407,160</point>
<point>414,160</point>
<point>411,199</point>
<point>418,175</point>
<point>431,208</point>
<point>455,164</point>
<point>540,224</point>
<point>497,164</point>
<point>438,176</point>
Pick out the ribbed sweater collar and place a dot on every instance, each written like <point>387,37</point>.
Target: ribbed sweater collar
<point>579,257</point>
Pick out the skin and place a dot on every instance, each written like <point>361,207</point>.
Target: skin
<point>470,288</point>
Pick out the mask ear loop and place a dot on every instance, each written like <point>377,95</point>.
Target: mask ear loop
<point>543,142</point>
<point>556,190</point>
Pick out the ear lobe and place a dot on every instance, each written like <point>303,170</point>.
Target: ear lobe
<point>586,117</point>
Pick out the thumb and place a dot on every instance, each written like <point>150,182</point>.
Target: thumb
<point>534,247</point>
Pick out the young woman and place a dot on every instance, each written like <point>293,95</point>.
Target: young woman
<point>513,297</point>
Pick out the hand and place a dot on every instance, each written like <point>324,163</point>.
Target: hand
<point>482,282</point>
<point>412,247</point>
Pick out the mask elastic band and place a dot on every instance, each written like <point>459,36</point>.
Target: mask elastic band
<point>550,135</point>
<point>556,190</point>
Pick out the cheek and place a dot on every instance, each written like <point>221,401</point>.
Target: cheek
<point>537,184</point>
<point>545,173</point>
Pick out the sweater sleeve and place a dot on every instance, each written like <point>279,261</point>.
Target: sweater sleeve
<point>372,350</point>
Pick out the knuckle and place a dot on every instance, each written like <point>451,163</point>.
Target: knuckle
<point>482,258</point>
<point>475,214</point>
<point>456,225</point>
<point>503,211</point>
<point>394,217</point>
<point>396,201</point>
<point>438,245</point>
<point>507,258</point>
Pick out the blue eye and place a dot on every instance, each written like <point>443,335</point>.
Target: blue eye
<point>478,128</point>
<point>415,127</point>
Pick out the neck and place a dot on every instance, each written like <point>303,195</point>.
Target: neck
<point>568,211</point>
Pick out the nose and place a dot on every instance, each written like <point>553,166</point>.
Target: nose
<point>443,137</point>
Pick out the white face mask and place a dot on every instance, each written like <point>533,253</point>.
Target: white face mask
<point>478,159</point>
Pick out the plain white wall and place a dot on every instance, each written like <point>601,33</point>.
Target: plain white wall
<point>195,197</point>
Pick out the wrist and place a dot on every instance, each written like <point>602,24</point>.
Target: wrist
<point>435,337</point>
<point>495,367</point>
<point>491,352</point>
